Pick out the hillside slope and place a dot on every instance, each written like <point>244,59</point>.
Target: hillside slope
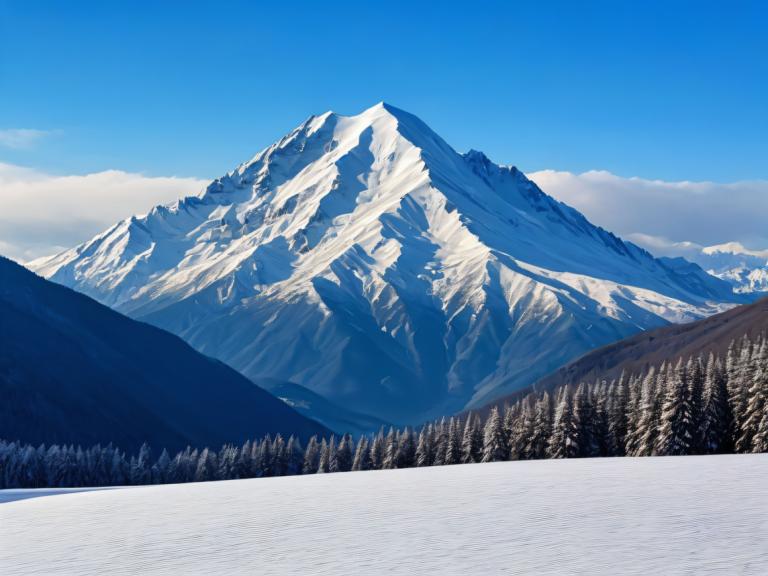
<point>612,517</point>
<point>74,371</point>
<point>637,353</point>
<point>365,259</point>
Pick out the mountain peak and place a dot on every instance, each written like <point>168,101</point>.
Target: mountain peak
<point>382,106</point>
<point>363,257</point>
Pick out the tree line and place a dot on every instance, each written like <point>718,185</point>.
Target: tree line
<point>697,405</point>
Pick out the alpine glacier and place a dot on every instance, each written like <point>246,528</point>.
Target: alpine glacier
<point>364,258</point>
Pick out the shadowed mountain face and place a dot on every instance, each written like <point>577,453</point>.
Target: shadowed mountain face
<point>319,409</point>
<point>74,371</point>
<point>638,353</point>
<point>364,259</point>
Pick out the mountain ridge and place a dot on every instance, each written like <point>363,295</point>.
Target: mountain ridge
<point>73,371</point>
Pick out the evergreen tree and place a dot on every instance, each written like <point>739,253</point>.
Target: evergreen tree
<point>343,456</point>
<point>362,458</point>
<point>323,465</point>
<point>424,447</point>
<point>676,426</point>
<point>584,423</point>
<point>564,440</point>
<point>263,463</point>
<point>311,457</point>
<point>242,466</point>
<point>600,429</point>
<point>714,428</point>
<point>519,430</point>
<point>206,466</point>
<point>739,379</point>
<point>254,459</point>
<point>619,410</point>
<point>471,441</point>
<point>542,428</point>
<point>406,450</point>
<point>279,457</point>
<point>696,374</point>
<point>511,416</point>
<point>159,469</point>
<point>333,462</point>
<point>644,437</point>
<point>495,447</point>
<point>294,457</point>
<point>453,448</point>
<point>440,443</point>
<point>760,439</point>
<point>755,401</point>
<point>141,466</point>
<point>390,451</point>
<point>228,456</point>
<point>377,451</point>
<point>634,414</point>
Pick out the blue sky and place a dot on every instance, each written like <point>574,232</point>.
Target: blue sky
<point>674,90</point>
<point>110,107</point>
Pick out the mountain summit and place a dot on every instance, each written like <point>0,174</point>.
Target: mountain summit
<point>364,258</point>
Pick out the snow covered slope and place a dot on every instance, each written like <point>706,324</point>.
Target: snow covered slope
<point>613,517</point>
<point>365,259</point>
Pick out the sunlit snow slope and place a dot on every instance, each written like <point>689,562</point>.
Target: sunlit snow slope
<point>613,517</point>
<point>365,259</point>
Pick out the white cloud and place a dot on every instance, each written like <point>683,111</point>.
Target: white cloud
<point>662,246</point>
<point>735,248</point>
<point>21,138</point>
<point>668,218</point>
<point>41,214</point>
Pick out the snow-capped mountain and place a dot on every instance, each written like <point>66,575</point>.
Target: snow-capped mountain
<point>365,259</point>
<point>746,270</point>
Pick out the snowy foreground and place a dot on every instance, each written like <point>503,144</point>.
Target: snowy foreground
<point>689,515</point>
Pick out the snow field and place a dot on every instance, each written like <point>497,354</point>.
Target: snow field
<point>613,516</point>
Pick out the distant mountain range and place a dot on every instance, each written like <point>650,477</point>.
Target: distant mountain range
<point>366,260</point>
<point>746,270</point>
<point>74,371</point>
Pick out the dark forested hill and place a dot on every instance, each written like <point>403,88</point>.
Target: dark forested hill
<point>74,371</point>
<point>635,354</point>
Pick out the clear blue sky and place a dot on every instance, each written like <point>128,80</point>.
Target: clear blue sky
<point>670,89</point>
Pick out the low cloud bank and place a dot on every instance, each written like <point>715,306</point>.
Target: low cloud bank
<point>41,214</point>
<point>668,218</point>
